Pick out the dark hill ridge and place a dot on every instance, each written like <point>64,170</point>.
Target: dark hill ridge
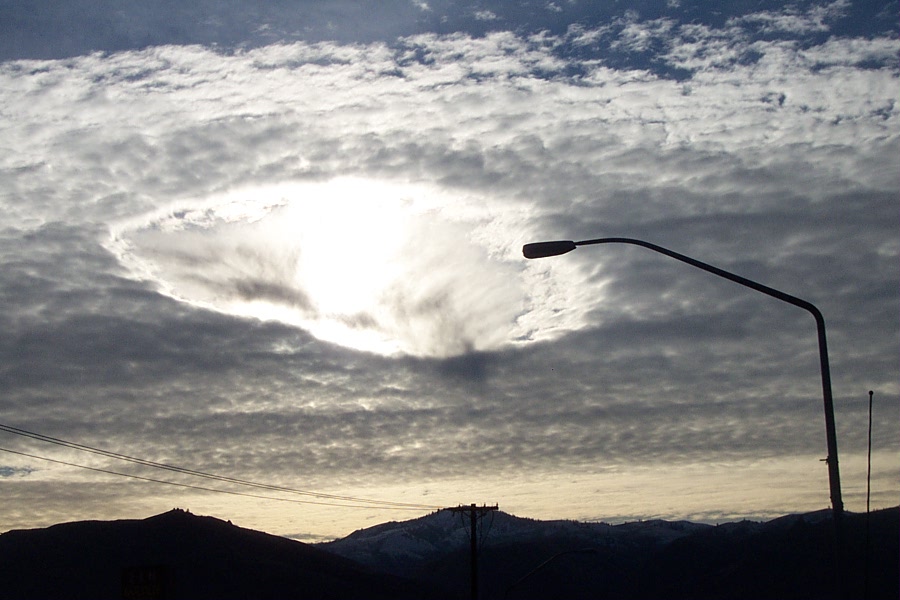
<point>179,555</point>
<point>408,547</point>
<point>788,557</point>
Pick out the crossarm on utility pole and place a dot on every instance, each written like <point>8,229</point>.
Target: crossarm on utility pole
<point>474,512</point>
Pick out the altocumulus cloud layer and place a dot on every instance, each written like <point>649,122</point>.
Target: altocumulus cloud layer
<point>285,246</point>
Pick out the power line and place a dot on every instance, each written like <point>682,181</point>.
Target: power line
<point>177,469</point>
<point>361,502</point>
<point>197,487</point>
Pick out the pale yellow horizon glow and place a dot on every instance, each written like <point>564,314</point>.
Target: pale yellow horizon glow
<point>756,490</point>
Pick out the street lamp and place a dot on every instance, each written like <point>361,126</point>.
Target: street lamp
<point>544,249</point>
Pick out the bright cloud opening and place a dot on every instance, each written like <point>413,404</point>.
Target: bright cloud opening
<point>371,265</point>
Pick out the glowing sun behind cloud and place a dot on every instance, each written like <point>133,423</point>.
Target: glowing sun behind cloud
<point>375,266</point>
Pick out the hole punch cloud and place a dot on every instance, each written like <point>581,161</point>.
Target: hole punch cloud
<point>370,265</point>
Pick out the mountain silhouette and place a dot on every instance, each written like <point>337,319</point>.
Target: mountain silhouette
<point>179,555</point>
<point>789,557</point>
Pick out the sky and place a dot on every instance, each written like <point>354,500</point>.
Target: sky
<point>281,243</point>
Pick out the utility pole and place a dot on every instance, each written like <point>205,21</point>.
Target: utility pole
<point>475,512</point>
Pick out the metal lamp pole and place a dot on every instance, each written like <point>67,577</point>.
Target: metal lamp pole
<point>543,249</point>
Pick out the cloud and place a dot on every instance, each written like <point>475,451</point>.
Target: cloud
<point>817,18</point>
<point>155,191</point>
<point>6,472</point>
<point>485,15</point>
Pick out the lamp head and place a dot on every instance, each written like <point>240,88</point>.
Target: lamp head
<point>543,249</point>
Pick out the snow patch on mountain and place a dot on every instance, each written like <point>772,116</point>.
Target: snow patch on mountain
<point>396,547</point>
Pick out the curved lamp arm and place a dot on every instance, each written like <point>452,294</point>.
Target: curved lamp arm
<point>544,249</point>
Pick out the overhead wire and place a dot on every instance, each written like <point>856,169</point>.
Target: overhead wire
<point>198,487</point>
<point>484,534</point>
<point>357,502</point>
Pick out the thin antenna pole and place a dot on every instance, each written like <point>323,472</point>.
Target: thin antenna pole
<point>868,497</point>
<point>869,473</point>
